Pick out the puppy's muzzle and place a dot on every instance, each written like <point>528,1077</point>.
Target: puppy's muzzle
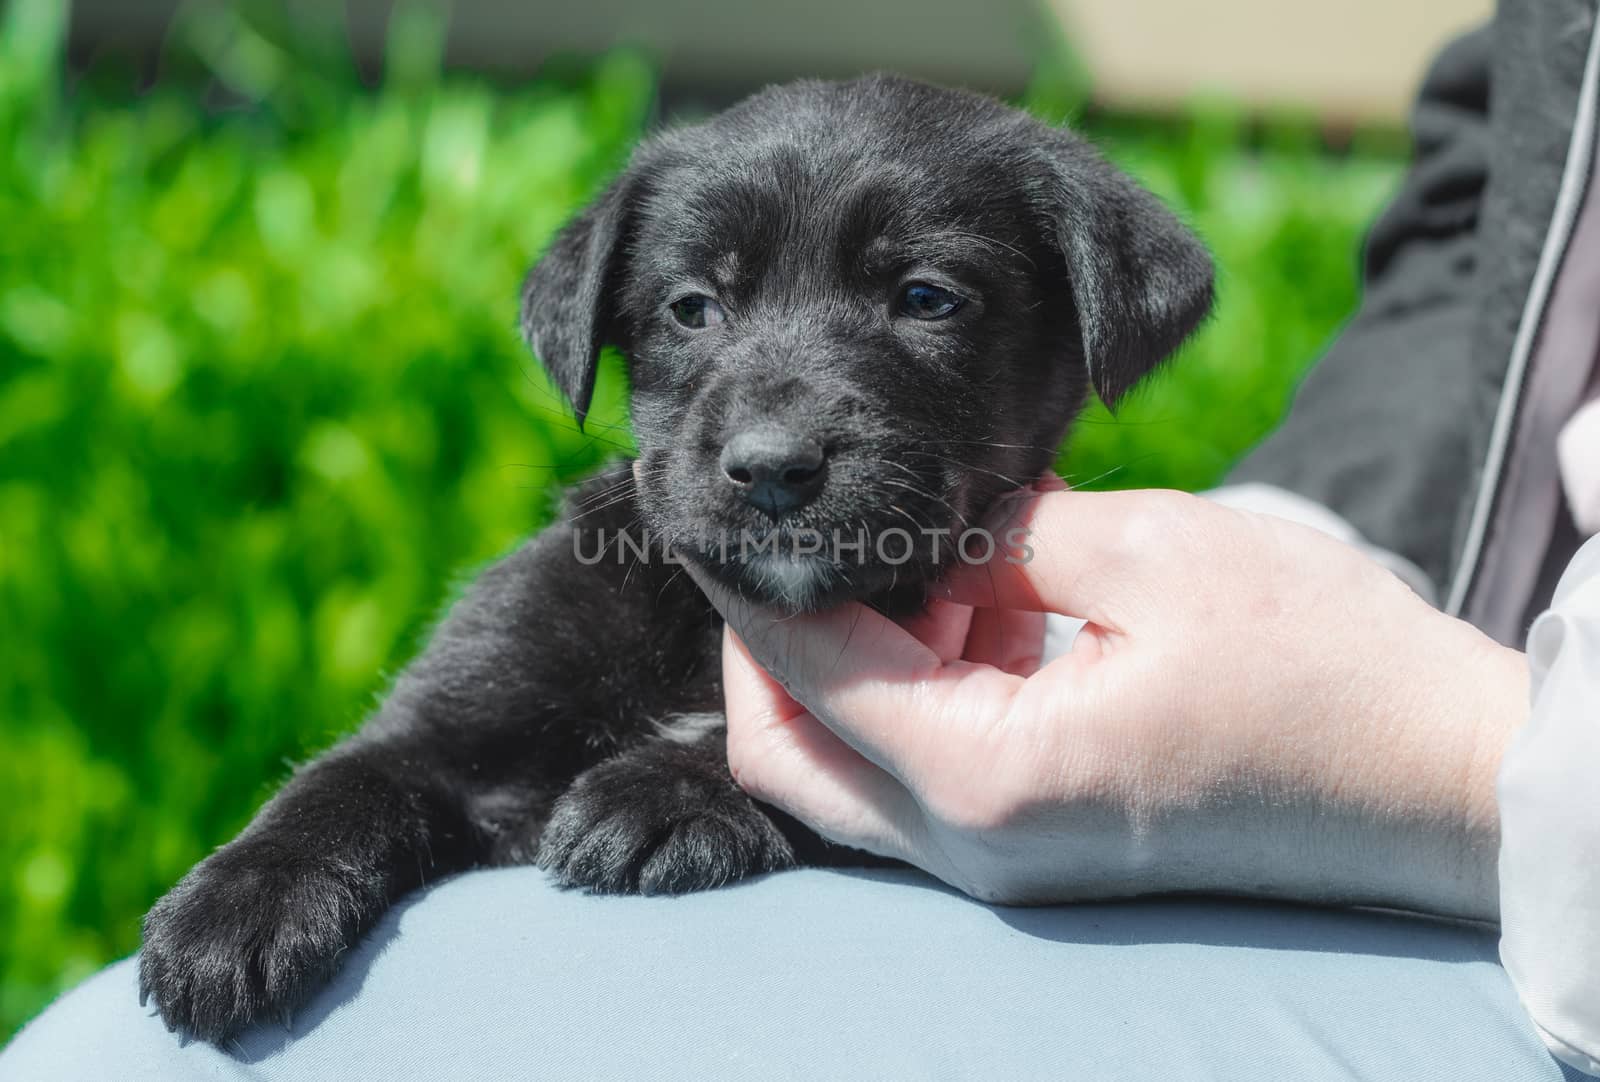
<point>774,469</point>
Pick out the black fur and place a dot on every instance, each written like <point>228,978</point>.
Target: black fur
<point>545,720</point>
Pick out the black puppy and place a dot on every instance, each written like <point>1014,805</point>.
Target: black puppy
<point>848,308</point>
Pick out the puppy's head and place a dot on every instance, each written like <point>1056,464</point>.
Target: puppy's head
<point>854,314</point>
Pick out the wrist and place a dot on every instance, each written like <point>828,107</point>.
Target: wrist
<point>1424,823</point>
<point>1503,709</point>
<point>1386,796</point>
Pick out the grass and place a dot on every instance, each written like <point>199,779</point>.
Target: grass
<point>261,402</point>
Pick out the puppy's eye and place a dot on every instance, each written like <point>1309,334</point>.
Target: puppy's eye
<point>923,300</point>
<point>697,310</point>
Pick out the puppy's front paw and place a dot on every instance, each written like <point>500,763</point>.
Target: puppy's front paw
<point>247,935</point>
<point>659,820</point>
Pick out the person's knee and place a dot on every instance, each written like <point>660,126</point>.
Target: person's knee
<point>98,1031</point>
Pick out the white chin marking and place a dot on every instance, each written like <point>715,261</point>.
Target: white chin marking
<point>689,728</point>
<point>794,580</point>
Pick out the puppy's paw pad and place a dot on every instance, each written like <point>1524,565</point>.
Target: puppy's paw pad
<point>651,827</point>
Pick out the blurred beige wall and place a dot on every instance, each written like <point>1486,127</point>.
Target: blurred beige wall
<point>1346,60</point>
<point>1354,59</point>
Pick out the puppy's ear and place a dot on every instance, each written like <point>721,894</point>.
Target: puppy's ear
<point>568,311</point>
<point>1141,281</point>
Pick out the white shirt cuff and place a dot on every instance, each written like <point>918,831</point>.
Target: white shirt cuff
<point>1550,825</point>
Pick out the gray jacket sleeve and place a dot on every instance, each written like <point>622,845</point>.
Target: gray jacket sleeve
<point>1381,430</point>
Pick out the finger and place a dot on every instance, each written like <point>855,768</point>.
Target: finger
<point>1011,640</point>
<point>779,753</point>
<point>941,626</point>
<point>874,684</point>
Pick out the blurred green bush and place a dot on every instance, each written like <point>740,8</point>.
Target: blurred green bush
<point>262,402</point>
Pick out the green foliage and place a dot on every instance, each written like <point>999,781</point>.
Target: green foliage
<point>262,401</point>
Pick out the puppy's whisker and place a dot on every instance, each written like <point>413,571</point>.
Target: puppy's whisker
<point>590,431</point>
<point>1011,481</point>
<point>527,466</point>
<point>672,578</point>
<point>609,490</point>
<point>596,509</point>
<point>966,523</point>
<point>991,443</point>
<point>1071,484</point>
<point>903,513</point>
<point>606,491</point>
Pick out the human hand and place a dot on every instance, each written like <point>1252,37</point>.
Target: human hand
<point>1253,707</point>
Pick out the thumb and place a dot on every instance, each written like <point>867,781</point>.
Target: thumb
<point>1083,554</point>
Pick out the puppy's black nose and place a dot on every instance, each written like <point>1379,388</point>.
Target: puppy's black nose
<point>773,468</point>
